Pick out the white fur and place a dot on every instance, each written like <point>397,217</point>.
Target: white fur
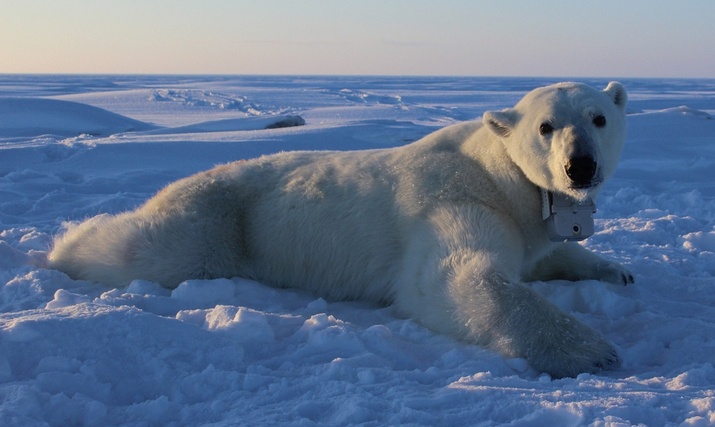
<point>446,228</point>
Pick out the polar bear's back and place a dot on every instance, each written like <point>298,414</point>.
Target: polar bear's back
<point>327,223</point>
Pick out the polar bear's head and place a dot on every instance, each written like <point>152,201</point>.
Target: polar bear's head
<point>565,138</point>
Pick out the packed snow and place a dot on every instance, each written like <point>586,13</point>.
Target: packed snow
<point>231,352</point>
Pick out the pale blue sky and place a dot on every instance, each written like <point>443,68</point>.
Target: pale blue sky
<point>606,38</point>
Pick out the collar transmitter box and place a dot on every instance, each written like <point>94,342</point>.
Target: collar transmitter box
<point>566,219</point>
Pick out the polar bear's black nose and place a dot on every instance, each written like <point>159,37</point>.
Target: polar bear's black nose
<point>581,170</point>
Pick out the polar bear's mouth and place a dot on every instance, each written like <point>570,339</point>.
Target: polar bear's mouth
<point>582,192</point>
<point>585,186</point>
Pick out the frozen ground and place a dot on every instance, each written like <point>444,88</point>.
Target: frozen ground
<point>234,352</point>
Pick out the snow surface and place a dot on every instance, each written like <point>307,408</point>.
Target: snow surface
<point>234,352</point>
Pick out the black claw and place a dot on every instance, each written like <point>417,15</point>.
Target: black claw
<point>627,279</point>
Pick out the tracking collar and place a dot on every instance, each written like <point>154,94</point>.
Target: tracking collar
<point>566,219</point>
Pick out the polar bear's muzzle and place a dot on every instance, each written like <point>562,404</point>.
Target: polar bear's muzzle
<point>581,171</point>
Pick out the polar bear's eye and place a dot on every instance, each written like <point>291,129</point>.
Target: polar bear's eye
<point>545,128</point>
<point>599,121</point>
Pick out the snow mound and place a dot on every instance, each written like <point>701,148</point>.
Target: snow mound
<point>201,98</point>
<point>699,241</point>
<point>239,124</point>
<point>32,117</point>
<point>27,117</point>
<point>682,110</point>
<point>687,111</point>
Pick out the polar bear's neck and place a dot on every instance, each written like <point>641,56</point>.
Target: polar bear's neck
<point>515,191</point>
<point>510,181</point>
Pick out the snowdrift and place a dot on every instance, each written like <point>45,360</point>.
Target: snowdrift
<point>27,117</point>
<point>32,117</point>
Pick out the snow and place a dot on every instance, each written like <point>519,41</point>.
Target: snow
<point>234,352</point>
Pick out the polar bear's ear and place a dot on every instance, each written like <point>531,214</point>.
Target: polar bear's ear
<point>618,94</point>
<point>501,122</point>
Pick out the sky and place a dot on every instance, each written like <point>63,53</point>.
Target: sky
<point>574,38</point>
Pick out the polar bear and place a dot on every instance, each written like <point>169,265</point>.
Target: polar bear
<point>447,228</point>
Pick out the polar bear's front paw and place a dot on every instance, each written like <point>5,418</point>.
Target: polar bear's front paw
<point>615,273</point>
